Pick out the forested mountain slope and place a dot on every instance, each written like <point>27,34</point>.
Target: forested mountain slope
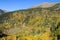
<point>33,23</point>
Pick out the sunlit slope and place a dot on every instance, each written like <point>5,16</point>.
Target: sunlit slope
<point>31,24</point>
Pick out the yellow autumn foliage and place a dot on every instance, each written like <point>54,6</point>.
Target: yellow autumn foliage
<point>9,38</point>
<point>45,36</point>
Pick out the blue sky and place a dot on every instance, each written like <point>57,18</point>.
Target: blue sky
<point>12,5</point>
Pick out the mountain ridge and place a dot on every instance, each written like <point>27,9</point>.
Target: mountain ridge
<point>45,5</point>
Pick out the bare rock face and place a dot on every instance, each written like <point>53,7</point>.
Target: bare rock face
<point>12,31</point>
<point>45,5</point>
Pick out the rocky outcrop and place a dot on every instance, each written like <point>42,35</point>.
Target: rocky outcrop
<point>46,5</point>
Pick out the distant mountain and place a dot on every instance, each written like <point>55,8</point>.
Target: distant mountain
<point>2,11</point>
